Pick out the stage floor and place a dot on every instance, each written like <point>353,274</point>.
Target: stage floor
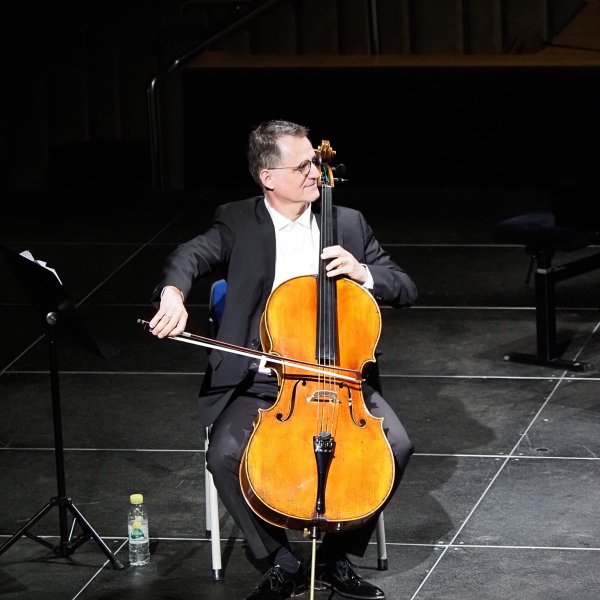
<point>499,501</point>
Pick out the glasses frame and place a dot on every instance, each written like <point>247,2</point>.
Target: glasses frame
<point>305,165</point>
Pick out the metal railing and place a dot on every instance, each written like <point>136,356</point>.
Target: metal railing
<point>153,90</point>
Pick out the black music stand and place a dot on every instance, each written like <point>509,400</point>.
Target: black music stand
<point>48,296</point>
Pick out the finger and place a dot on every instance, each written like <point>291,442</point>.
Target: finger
<point>163,331</point>
<point>164,320</point>
<point>155,321</point>
<point>177,324</point>
<point>332,252</point>
<point>158,325</point>
<point>334,270</point>
<point>343,264</point>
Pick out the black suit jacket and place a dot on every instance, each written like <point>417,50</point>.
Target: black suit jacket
<point>241,240</point>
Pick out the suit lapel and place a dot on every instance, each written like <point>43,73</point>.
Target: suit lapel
<point>266,241</point>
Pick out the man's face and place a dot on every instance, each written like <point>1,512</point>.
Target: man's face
<point>295,179</point>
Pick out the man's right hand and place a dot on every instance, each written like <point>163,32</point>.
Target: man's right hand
<point>171,318</point>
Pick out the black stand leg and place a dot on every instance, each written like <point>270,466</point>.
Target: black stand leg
<point>67,545</point>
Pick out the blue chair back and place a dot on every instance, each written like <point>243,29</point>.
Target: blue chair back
<point>216,305</point>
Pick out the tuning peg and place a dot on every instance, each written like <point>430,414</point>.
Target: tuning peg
<point>339,171</point>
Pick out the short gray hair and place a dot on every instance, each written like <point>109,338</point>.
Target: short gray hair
<point>263,151</point>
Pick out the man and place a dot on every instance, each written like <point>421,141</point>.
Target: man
<point>261,242</point>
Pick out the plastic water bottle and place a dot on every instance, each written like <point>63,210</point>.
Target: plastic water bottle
<point>137,525</point>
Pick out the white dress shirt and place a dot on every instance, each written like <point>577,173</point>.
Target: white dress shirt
<point>297,247</point>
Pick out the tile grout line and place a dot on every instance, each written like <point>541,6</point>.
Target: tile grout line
<point>385,376</point>
<point>200,450</point>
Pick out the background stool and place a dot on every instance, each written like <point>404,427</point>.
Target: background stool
<point>542,238</point>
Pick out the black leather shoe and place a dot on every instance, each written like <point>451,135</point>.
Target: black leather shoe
<point>344,581</point>
<point>277,584</point>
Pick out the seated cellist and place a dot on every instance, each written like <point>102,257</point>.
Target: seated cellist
<point>261,242</point>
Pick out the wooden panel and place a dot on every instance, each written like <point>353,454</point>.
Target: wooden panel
<point>561,12</point>
<point>483,27</point>
<point>393,24</point>
<point>238,42</point>
<point>526,25</point>
<point>355,27</point>
<point>437,26</point>
<point>550,58</point>
<point>318,27</point>
<point>276,31</point>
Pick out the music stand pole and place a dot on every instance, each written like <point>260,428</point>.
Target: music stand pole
<point>67,545</point>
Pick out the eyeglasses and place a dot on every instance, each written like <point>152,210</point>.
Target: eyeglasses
<point>304,167</point>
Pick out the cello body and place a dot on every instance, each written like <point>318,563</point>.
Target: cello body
<point>279,474</point>
<point>317,459</point>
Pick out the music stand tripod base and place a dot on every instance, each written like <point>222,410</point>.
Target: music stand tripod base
<point>67,545</point>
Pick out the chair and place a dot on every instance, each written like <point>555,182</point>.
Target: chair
<point>216,306</point>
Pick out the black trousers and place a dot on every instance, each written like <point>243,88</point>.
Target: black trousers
<point>230,434</point>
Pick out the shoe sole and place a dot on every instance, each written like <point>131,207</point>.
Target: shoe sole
<point>323,585</point>
<point>298,591</point>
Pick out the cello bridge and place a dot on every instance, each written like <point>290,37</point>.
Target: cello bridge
<point>324,396</point>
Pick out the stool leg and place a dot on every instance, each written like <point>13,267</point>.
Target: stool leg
<point>382,561</point>
<point>545,318</point>
<point>545,309</point>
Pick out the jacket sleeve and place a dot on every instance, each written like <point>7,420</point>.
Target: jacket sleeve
<point>191,260</point>
<point>393,286</point>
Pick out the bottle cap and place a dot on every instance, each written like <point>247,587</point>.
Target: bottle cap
<point>136,498</point>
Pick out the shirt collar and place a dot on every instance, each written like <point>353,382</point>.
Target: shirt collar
<point>280,222</point>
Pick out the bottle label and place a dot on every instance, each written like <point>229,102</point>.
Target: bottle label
<point>138,532</point>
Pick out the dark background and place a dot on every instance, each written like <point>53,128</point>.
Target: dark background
<point>403,127</point>
<point>74,114</point>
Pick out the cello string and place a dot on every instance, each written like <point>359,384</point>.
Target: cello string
<point>322,304</point>
<point>334,405</point>
<point>330,306</point>
<point>323,225</point>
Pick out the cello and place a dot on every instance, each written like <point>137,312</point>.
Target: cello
<point>310,448</point>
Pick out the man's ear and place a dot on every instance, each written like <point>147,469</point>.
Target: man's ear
<point>267,180</point>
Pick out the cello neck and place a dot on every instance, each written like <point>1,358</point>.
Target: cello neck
<point>326,352</point>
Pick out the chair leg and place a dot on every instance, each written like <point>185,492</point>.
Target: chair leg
<point>213,527</point>
<point>382,561</point>
<point>206,487</point>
